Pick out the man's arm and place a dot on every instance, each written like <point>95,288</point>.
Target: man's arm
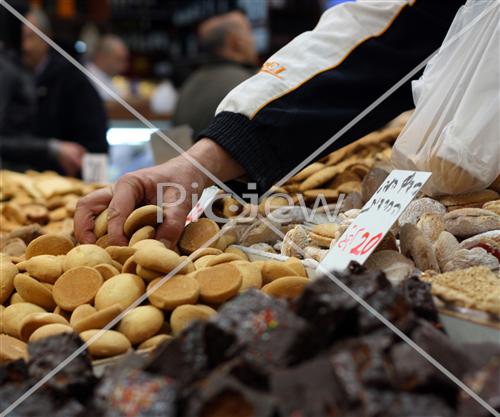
<point>320,81</point>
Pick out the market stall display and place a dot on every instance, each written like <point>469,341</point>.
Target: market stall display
<point>252,296</point>
<point>260,356</point>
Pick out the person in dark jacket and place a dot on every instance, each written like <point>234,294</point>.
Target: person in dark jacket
<point>69,118</point>
<point>303,95</point>
<point>228,42</point>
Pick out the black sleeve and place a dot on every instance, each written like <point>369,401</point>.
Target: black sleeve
<point>289,127</point>
<point>20,148</point>
<point>86,121</point>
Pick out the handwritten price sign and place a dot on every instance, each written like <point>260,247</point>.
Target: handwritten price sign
<point>375,219</point>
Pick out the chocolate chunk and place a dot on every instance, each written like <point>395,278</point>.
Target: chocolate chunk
<point>310,389</point>
<point>126,392</point>
<point>414,373</point>
<point>13,372</point>
<point>486,383</point>
<point>221,395</point>
<point>76,378</point>
<point>199,349</point>
<point>363,362</point>
<point>267,328</point>
<point>390,303</point>
<point>418,295</point>
<point>39,404</point>
<point>394,404</point>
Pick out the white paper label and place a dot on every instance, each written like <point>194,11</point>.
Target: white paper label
<point>95,167</point>
<point>207,197</point>
<point>375,219</point>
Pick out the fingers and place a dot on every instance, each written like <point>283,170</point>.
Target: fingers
<point>127,193</point>
<point>87,209</point>
<point>175,211</point>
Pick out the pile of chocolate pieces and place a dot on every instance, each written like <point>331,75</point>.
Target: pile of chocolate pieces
<point>322,355</point>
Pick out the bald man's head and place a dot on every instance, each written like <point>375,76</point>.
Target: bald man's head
<point>34,48</point>
<point>111,55</point>
<point>229,36</point>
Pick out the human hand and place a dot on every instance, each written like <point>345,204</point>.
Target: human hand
<point>140,188</point>
<point>70,157</point>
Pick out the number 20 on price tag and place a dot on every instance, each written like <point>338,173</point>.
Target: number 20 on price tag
<point>375,219</point>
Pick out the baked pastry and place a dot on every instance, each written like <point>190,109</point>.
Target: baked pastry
<point>85,255</point>
<point>466,258</point>
<point>122,289</point>
<point>141,323</point>
<point>286,287</point>
<point>295,241</point>
<point>140,217</point>
<point>36,320</point>
<point>45,268</point>
<point>417,247</point>
<point>477,287</point>
<point>77,286</point>
<point>7,273</point>
<point>173,292</point>
<point>49,330</point>
<point>14,315</point>
<point>418,207</point>
<point>221,259</point>
<point>431,225</point>
<point>146,232</point>
<point>97,319</point>
<point>105,343</point>
<point>218,283</point>
<point>251,277</point>
<point>471,221</point>
<point>308,171</point>
<point>272,270</point>
<point>32,291</point>
<point>101,224</point>
<point>49,244</point>
<point>445,248</point>
<point>184,315</point>
<point>107,271</point>
<point>469,200</point>
<point>395,266</point>
<point>12,349</point>
<point>155,341</point>
<point>120,253</point>
<point>493,206</point>
<point>81,312</point>
<point>198,234</point>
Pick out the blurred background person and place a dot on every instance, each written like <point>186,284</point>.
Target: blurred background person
<point>231,58</point>
<point>17,97</point>
<point>110,59</point>
<point>69,113</point>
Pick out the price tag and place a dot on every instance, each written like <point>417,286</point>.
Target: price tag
<point>207,197</point>
<point>95,167</point>
<point>375,219</point>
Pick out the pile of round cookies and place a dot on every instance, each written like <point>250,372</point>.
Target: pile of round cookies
<point>57,286</point>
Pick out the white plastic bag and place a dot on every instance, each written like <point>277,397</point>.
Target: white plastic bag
<point>455,129</point>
